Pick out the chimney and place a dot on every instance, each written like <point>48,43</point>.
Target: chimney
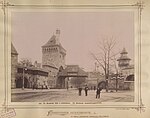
<point>57,36</point>
<point>35,64</point>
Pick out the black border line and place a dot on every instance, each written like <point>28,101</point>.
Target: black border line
<point>138,5</point>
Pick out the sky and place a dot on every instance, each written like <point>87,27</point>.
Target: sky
<point>81,33</point>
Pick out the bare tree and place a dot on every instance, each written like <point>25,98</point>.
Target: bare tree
<point>26,62</point>
<point>105,56</point>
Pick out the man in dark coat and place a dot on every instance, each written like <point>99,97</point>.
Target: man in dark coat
<point>94,88</point>
<point>98,91</point>
<point>86,90</point>
<point>80,89</point>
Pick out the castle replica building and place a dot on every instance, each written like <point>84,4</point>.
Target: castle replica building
<point>52,73</point>
<point>126,70</point>
<point>124,78</point>
<point>53,58</point>
<point>25,75</point>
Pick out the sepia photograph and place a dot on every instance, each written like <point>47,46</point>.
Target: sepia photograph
<point>74,59</point>
<point>63,56</point>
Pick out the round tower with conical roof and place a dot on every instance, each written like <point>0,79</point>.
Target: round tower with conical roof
<point>124,60</point>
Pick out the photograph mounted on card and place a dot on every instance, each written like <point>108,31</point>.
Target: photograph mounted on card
<point>74,56</point>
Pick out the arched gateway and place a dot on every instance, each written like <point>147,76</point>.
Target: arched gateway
<point>102,84</point>
<point>69,71</point>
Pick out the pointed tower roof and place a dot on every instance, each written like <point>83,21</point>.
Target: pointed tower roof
<point>124,51</point>
<point>123,55</point>
<point>13,50</point>
<point>52,41</point>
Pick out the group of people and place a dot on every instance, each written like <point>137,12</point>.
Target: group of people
<point>98,91</point>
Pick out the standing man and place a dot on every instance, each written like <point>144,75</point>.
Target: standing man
<point>80,90</point>
<point>94,88</point>
<point>86,90</point>
<point>98,91</point>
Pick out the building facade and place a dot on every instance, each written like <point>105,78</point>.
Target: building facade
<point>128,74</point>
<point>14,63</point>
<point>34,77</point>
<point>95,79</point>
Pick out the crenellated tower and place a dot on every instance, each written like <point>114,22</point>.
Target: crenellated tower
<point>53,54</point>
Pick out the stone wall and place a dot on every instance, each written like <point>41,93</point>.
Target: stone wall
<point>33,80</point>
<point>14,62</point>
<point>129,85</point>
<point>50,58</point>
<point>112,84</point>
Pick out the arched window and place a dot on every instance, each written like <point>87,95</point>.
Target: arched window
<point>130,78</point>
<point>60,69</point>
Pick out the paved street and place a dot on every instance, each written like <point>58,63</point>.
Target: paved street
<point>71,95</point>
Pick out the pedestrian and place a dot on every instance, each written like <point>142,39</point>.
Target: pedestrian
<point>98,91</point>
<point>91,88</point>
<point>80,90</point>
<point>86,90</point>
<point>94,88</point>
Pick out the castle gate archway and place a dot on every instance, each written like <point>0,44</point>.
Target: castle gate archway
<point>69,71</point>
<point>102,84</point>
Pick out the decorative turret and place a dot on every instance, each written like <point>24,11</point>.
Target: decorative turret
<point>124,61</point>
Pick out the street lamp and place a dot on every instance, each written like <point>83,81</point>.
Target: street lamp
<point>107,77</point>
<point>24,69</point>
<point>117,82</point>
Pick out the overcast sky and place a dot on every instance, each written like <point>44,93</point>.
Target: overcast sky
<point>80,33</point>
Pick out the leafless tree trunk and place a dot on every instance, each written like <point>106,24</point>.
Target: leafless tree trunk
<point>116,69</point>
<point>106,53</point>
